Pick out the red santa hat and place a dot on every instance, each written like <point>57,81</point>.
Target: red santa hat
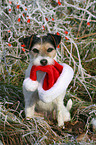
<point>52,74</point>
<point>55,82</point>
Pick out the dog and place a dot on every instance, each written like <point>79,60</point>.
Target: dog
<point>42,52</point>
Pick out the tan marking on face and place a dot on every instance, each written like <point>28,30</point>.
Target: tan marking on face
<point>43,50</point>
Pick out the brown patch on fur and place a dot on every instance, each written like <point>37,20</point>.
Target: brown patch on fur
<point>31,40</point>
<point>53,38</point>
<point>43,50</point>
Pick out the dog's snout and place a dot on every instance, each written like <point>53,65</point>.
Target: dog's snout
<point>43,62</point>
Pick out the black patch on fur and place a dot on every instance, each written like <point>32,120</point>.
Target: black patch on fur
<point>54,39</point>
<point>30,41</point>
<point>50,38</point>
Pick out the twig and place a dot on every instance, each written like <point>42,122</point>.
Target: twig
<point>86,35</point>
<point>11,56</point>
<point>80,24</point>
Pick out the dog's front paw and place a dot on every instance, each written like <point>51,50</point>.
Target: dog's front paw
<point>30,85</point>
<point>67,116</point>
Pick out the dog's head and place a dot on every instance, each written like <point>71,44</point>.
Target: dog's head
<point>42,49</point>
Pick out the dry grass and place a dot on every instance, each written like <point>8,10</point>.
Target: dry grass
<point>78,51</point>
<point>14,129</point>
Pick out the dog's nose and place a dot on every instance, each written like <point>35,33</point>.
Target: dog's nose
<point>43,62</point>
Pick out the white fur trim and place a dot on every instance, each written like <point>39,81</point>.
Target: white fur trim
<point>30,85</point>
<point>59,87</point>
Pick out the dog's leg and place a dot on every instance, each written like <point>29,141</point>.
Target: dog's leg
<point>66,110</point>
<point>63,113</point>
<point>30,101</point>
<point>60,108</point>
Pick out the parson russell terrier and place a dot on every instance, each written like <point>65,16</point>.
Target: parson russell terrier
<point>46,80</point>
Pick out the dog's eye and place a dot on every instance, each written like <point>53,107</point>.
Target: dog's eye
<point>35,50</point>
<point>49,49</point>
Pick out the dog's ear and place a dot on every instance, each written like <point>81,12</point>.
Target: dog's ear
<point>56,38</point>
<point>28,41</point>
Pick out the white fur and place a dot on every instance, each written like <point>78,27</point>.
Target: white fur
<point>30,85</point>
<point>37,60</point>
<point>69,104</point>
<point>93,122</point>
<point>50,99</point>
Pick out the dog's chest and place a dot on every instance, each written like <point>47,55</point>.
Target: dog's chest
<point>41,106</point>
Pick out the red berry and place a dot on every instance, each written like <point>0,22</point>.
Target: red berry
<point>25,9</point>
<point>17,6</point>
<point>66,38</point>
<point>8,31</point>
<point>43,27</point>
<point>23,45</point>
<point>23,49</point>
<point>59,2</point>
<point>28,21</point>
<point>88,23</point>
<point>23,15</point>
<point>58,46</point>
<point>9,10</point>
<point>10,2</point>
<point>19,19</point>
<point>66,32</point>
<point>46,19</point>
<point>52,19</point>
<point>9,44</point>
<point>58,33</point>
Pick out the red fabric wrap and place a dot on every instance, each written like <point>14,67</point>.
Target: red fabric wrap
<point>52,74</point>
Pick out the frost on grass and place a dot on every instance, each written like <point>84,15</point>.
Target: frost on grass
<point>15,129</point>
<point>74,20</point>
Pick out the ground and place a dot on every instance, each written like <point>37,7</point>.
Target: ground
<point>43,130</point>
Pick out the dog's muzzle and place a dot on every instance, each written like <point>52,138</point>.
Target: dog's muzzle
<point>43,62</point>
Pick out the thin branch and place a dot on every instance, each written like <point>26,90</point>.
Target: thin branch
<point>87,35</point>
